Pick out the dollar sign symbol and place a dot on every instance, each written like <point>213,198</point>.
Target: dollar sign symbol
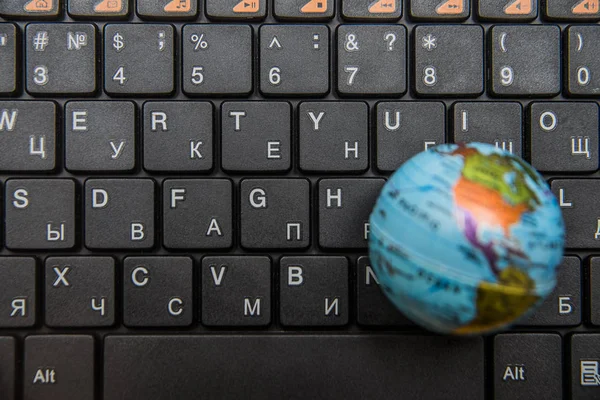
<point>118,42</point>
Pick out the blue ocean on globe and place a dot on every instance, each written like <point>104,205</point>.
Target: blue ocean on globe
<point>466,239</point>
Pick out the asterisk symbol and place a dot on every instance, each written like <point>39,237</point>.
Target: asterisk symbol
<point>429,42</point>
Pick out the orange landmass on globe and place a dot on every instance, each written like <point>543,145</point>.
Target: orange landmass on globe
<point>487,205</point>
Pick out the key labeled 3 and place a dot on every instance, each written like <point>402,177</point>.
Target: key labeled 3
<point>61,58</point>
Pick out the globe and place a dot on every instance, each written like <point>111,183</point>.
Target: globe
<point>465,239</point>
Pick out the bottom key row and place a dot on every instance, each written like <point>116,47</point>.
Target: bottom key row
<point>526,366</point>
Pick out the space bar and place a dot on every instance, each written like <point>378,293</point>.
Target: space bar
<point>293,366</point>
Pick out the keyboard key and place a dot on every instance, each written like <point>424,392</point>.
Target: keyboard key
<point>374,308</point>
<point>294,59</point>
<point>313,291</point>
<point>167,9</point>
<point>178,136</point>
<point>497,123</point>
<point>59,367</point>
<point>217,59</point>
<point>119,213</point>
<point>585,366</point>
<point>448,60</point>
<point>575,10</point>
<point>407,128</point>
<point>236,9</point>
<point>563,305</point>
<point>440,9</point>
<point>7,367</point>
<point>583,67</point>
<point>564,136</point>
<point>326,366</point>
<point>80,291</point>
<point>344,209</point>
<point>98,9</point>
<point>61,59</point>
<point>527,366</point>
<point>594,286</point>
<point>275,213</point>
<point>28,129</point>
<point>157,291</point>
<point>304,9</point>
<point>30,8</point>
<point>525,60</point>
<point>508,10</point>
<point>256,136</point>
<point>138,59</point>
<point>100,136</point>
<point>579,203</point>
<point>369,10</point>
<point>197,213</point>
<point>371,59</point>
<point>236,291</point>
<point>8,58</point>
<point>40,214</point>
<point>17,294</point>
<point>334,136</point>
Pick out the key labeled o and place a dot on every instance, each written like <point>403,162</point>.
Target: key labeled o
<point>548,121</point>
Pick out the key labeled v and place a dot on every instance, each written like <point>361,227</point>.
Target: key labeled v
<point>218,276</point>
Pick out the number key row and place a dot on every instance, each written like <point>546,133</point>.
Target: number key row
<point>139,59</point>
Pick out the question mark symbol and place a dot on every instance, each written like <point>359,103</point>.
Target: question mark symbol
<point>391,39</point>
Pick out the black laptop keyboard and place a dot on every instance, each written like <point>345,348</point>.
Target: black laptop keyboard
<point>186,188</point>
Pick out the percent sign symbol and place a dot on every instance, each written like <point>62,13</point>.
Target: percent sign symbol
<point>199,42</point>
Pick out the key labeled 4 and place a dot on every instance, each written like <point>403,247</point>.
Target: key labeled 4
<point>586,7</point>
<point>450,7</point>
<point>518,7</point>
<point>247,6</point>
<point>382,7</point>
<point>314,6</point>
<point>109,6</point>
<point>39,5</point>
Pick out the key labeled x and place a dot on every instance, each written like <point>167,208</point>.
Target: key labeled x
<point>61,276</point>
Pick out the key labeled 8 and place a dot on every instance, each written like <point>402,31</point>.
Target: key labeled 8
<point>429,76</point>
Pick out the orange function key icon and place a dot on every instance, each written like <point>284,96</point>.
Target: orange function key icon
<point>178,6</point>
<point>450,7</point>
<point>39,5</point>
<point>586,7</point>
<point>109,6</point>
<point>518,7</point>
<point>382,7</point>
<point>314,7</point>
<point>247,6</point>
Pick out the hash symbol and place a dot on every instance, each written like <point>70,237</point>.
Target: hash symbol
<point>40,41</point>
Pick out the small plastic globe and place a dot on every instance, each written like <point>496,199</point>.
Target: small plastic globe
<point>465,239</point>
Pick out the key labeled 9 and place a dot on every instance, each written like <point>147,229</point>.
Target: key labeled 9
<point>507,76</point>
